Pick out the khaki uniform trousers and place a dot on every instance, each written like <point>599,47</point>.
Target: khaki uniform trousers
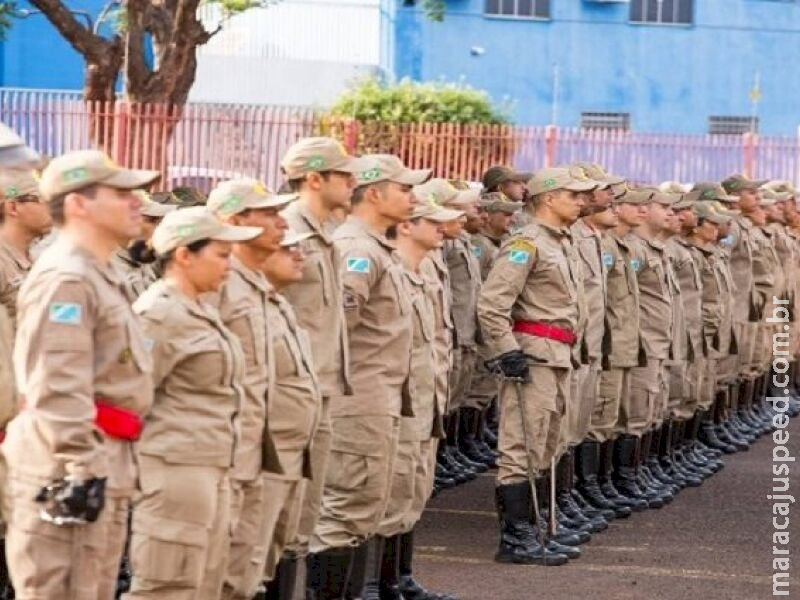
<point>283,505</point>
<point>483,386</point>
<point>464,359</point>
<point>695,376</point>
<point>358,480</point>
<point>584,391</point>
<point>312,498</point>
<point>679,390</point>
<point>543,400</point>
<point>614,385</point>
<point>645,405</point>
<point>707,381</point>
<point>249,539</point>
<point>68,563</point>
<point>181,531</point>
<point>412,482</point>
<point>747,349</point>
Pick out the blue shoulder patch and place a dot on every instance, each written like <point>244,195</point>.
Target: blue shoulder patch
<point>636,264</point>
<point>519,257</point>
<point>358,265</point>
<point>477,251</point>
<point>608,260</point>
<point>65,313</point>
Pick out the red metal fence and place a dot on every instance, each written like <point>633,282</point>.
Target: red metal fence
<point>199,144</point>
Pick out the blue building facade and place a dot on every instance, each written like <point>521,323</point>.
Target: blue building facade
<point>665,65</point>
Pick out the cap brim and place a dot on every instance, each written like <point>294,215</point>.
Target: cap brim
<point>412,176</point>
<point>444,215</point>
<point>465,198</point>
<point>131,179</point>
<point>295,238</point>
<point>520,177</point>
<point>727,198</point>
<point>682,205</point>
<point>613,179</point>
<point>18,157</point>
<point>579,186</point>
<point>156,209</point>
<point>353,165</point>
<point>278,201</point>
<point>236,233</point>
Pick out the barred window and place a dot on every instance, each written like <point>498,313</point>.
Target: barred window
<point>732,125</point>
<point>678,12</point>
<point>523,9</point>
<point>606,120</point>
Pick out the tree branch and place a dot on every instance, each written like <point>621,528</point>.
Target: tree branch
<point>91,46</point>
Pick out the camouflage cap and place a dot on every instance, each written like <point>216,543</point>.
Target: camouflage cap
<point>388,167</point>
<point>16,183</point>
<point>639,197</point>
<point>433,211</point>
<point>14,154</point>
<point>737,183</point>
<point>597,173</point>
<point>443,192</point>
<point>76,170</point>
<point>713,191</point>
<point>318,155</point>
<point>494,176</point>
<point>498,202</point>
<point>238,195</point>
<point>710,211</point>
<point>552,179</point>
<point>184,226</point>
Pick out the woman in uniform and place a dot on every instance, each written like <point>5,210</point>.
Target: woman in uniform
<point>180,530</point>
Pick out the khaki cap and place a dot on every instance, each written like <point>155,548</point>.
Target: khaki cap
<point>433,211</point>
<point>151,208</point>
<point>238,195</point>
<point>665,199</point>
<point>780,185</point>
<point>674,187</point>
<point>318,155</point>
<point>773,197</point>
<point>687,201</point>
<point>498,202</point>
<point>597,173</point>
<point>444,193</point>
<point>737,183</point>
<point>292,238</point>
<point>15,183</point>
<point>14,153</point>
<point>552,179</point>
<point>494,176</point>
<point>710,211</point>
<point>388,167</point>
<point>187,225</point>
<point>634,196</point>
<point>77,170</point>
<point>713,191</point>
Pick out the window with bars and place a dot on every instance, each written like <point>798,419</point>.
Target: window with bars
<point>521,9</point>
<point>670,12</point>
<point>727,125</point>
<point>606,120</point>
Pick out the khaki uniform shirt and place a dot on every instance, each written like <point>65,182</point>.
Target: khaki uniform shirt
<point>317,300</point>
<point>656,288</point>
<point>678,258</point>
<point>765,268</point>
<point>378,313</point>
<point>465,284</point>
<point>485,250</point>
<point>533,280</point>
<point>199,370</point>
<point>242,306</point>
<point>727,338</point>
<point>588,244</point>
<point>716,306</point>
<point>783,254</point>
<point>294,397</point>
<point>437,287</point>
<point>77,341</point>
<point>740,246</point>
<point>14,266</point>
<point>688,270</point>
<point>422,376</point>
<point>622,261</point>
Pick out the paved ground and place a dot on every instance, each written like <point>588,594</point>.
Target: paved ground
<point>712,543</point>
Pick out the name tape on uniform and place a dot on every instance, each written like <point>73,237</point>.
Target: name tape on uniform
<point>65,313</point>
<point>358,265</point>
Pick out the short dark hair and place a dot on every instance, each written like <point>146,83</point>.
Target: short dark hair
<point>164,260</point>
<point>56,204</point>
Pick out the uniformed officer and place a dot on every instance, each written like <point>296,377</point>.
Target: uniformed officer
<point>83,374</point>
<point>507,181</point>
<point>181,522</point>
<point>529,308</point>
<point>366,424</point>
<point>323,176</point>
<point>136,260</point>
<point>243,304</point>
<point>416,456</point>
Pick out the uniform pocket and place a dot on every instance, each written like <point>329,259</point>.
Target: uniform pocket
<point>168,550</point>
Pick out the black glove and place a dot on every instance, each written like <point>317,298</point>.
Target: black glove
<point>71,502</point>
<point>513,365</point>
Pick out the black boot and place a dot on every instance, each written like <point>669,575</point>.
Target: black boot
<point>693,462</point>
<point>587,462</point>
<point>409,588</point>
<point>654,496</point>
<point>624,506</point>
<point>358,572</point>
<point>374,563</point>
<point>282,586</point>
<point>708,434</point>
<point>566,500</point>
<point>455,469</point>
<point>453,436</point>
<point>489,434</point>
<point>697,452</point>
<point>685,465</point>
<point>625,450</point>
<point>563,535</point>
<point>520,541</point>
<point>467,438</point>
<point>481,435</point>
<point>327,573</point>
<point>390,569</point>
<point>724,431</point>
<point>656,472</point>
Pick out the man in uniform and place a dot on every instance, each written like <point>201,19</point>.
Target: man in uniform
<point>529,308</point>
<point>83,373</point>
<point>323,176</point>
<point>506,181</point>
<point>366,424</point>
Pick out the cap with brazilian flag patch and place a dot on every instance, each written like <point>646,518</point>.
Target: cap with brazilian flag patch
<point>18,183</point>
<point>185,226</point>
<point>74,171</point>
<point>713,191</point>
<point>737,183</point>
<point>238,195</point>
<point>552,179</point>
<point>388,167</point>
<point>319,155</point>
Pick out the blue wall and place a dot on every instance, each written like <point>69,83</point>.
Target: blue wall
<point>670,78</point>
